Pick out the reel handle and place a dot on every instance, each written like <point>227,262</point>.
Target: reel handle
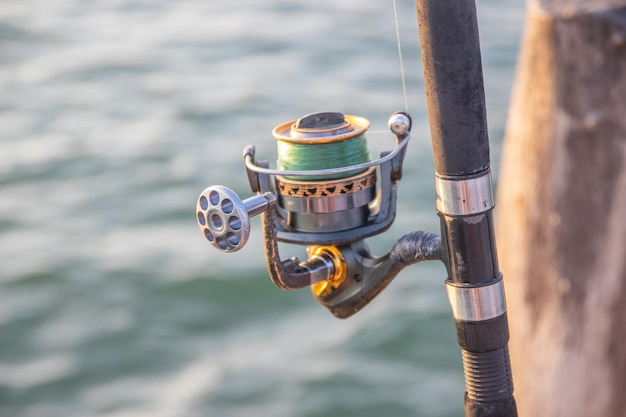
<point>224,219</point>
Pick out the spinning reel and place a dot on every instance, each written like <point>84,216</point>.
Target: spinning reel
<point>323,195</point>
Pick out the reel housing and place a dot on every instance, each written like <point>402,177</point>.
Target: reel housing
<point>325,195</point>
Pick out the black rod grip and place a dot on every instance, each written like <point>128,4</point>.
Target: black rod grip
<point>488,375</point>
<point>453,79</point>
<point>503,408</point>
<point>483,336</point>
<point>470,255</point>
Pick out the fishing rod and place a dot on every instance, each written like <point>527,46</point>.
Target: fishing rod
<point>327,195</point>
<point>455,94</point>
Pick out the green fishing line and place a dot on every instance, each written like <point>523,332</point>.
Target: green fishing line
<point>310,157</point>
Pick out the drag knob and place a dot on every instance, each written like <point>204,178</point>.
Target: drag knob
<point>224,219</point>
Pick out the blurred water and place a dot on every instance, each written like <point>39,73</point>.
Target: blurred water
<point>114,115</point>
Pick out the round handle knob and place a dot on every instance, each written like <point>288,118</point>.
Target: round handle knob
<point>224,219</point>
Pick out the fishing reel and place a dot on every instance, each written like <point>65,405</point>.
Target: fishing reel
<point>327,195</point>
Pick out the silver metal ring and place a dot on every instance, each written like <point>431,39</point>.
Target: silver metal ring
<point>464,197</point>
<point>473,303</point>
<point>329,196</point>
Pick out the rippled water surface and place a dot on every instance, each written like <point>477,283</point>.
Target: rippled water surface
<point>114,116</point>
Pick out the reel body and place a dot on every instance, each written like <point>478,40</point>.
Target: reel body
<point>329,200</point>
<point>325,206</point>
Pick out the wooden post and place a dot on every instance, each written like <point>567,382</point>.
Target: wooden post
<point>561,212</point>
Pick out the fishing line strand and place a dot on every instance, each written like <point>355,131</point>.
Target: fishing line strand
<point>395,15</point>
<point>310,157</point>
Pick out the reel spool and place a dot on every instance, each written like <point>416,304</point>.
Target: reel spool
<point>331,202</point>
